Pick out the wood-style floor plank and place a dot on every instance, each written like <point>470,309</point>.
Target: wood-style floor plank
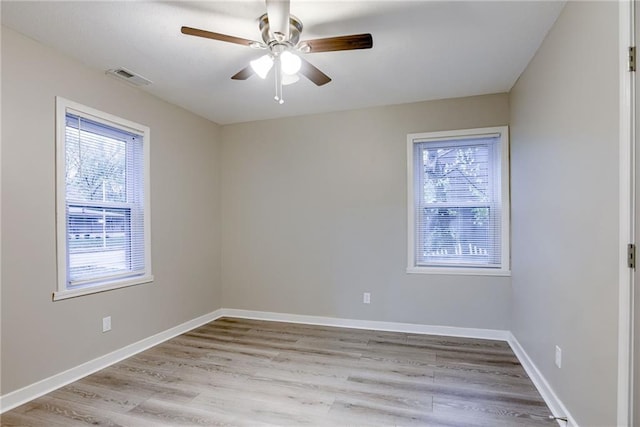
<point>241,372</point>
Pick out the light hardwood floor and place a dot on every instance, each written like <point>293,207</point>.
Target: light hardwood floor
<point>251,373</point>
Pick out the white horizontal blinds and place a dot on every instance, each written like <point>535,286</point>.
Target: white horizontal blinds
<point>457,195</point>
<point>104,201</point>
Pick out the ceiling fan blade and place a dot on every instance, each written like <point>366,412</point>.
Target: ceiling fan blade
<point>243,74</point>
<point>331,44</point>
<point>312,73</point>
<point>278,14</point>
<point>216,36</point>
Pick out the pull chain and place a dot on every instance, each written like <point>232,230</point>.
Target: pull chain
<point>278,75</point>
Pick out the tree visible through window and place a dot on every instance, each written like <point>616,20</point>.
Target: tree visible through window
<point>456,200</point>
<point>103,201</point>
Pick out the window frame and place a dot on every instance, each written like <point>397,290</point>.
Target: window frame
<point>63,291</point>
<point>503,151</point>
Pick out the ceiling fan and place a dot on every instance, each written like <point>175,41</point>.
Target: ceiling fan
<point>281,39</point>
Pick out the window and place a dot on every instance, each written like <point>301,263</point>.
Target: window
<point>458,193</point>
<point>102,170</point>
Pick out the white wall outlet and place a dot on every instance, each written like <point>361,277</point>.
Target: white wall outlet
<point>558,357</point>
<point>106,324</point>
<point>366,298</point>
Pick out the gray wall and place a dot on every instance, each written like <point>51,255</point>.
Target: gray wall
<point>564,163</point>
<point>314,214</point>
<point>40,337</point>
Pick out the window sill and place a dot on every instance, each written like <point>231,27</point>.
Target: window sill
<point>88,290</point>
<point>459,271</point>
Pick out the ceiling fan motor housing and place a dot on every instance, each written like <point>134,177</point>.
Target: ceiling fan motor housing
<point>269,38</point>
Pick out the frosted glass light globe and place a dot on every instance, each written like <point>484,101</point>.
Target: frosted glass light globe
<point>290,63</point>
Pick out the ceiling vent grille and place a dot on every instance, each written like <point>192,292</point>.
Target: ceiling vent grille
<point>129,76</point>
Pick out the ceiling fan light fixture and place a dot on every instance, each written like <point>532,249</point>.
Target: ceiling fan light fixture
<point>281,38</point>
<point>262,65</point>
<point>291,63</point>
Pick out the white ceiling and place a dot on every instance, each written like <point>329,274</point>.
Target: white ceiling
<point>422,50</point>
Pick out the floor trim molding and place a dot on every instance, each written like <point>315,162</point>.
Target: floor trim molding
<point>47,385</point>
<point>415,328</point>
<point>550,397</point>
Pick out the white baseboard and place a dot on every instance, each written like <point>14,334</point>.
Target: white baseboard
<point>40,388</point>
<point>551,399</point>
<point>414,328</point>
<point>47,385</point>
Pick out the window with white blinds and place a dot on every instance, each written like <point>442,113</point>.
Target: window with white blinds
<point>103,190</point>
<point>459,201</point>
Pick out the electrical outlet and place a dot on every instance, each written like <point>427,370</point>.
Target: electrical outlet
<point>106,324</point>
<point>558,357</point>
<point>366,298</point>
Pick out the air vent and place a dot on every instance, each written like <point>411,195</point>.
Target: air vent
<point>128,76</point>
